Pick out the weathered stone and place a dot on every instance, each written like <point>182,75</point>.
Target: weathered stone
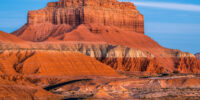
<point>75,12</point>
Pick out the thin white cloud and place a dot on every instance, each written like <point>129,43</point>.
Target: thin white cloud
<point>173,6</point>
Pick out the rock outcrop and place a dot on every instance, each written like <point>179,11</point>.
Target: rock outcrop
<point>72,13</point>
<point>188,65</point>
<point>76,12</point>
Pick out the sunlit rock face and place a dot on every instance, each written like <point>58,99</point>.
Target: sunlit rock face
<point>51,63</point>
<point>65,15</point>
<point>76,12</point>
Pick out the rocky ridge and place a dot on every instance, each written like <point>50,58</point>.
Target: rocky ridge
<point>120,58</point>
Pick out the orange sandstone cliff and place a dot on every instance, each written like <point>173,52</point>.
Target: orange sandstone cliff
<point>63,16</point>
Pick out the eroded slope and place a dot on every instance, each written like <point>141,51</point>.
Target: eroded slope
<point>51,63</point>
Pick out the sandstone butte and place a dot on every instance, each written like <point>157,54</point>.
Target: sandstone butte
<point>108,30</point>
<point>65,15</point>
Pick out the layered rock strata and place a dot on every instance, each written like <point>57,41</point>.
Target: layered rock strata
<point>118,57</point>
<point>75,12</point>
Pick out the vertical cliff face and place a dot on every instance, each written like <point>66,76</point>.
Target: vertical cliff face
<point>75,12</point>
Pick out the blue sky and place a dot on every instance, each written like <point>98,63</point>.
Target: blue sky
<point>172,23</point>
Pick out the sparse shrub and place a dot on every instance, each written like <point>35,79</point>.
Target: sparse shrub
<point>164,74</point>
<point>176,72</point>
<point>145,76</point>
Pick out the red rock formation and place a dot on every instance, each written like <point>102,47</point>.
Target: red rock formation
<point>76,12</point>
<point>188,65</point>
<point>164,61</point>
<point>104,30</point>
<point>149,65</point>
<point>41,31</point>
<point>99,21</point>
<point>116,36</point>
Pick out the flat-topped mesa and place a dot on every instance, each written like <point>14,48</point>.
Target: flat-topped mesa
<point>97,3</point>
<point>76,12</point>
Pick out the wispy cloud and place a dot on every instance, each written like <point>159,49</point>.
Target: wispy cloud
<point>166,5</point>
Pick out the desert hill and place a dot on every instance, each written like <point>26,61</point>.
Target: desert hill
<point>48,63</point>
<point>5,37</point>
